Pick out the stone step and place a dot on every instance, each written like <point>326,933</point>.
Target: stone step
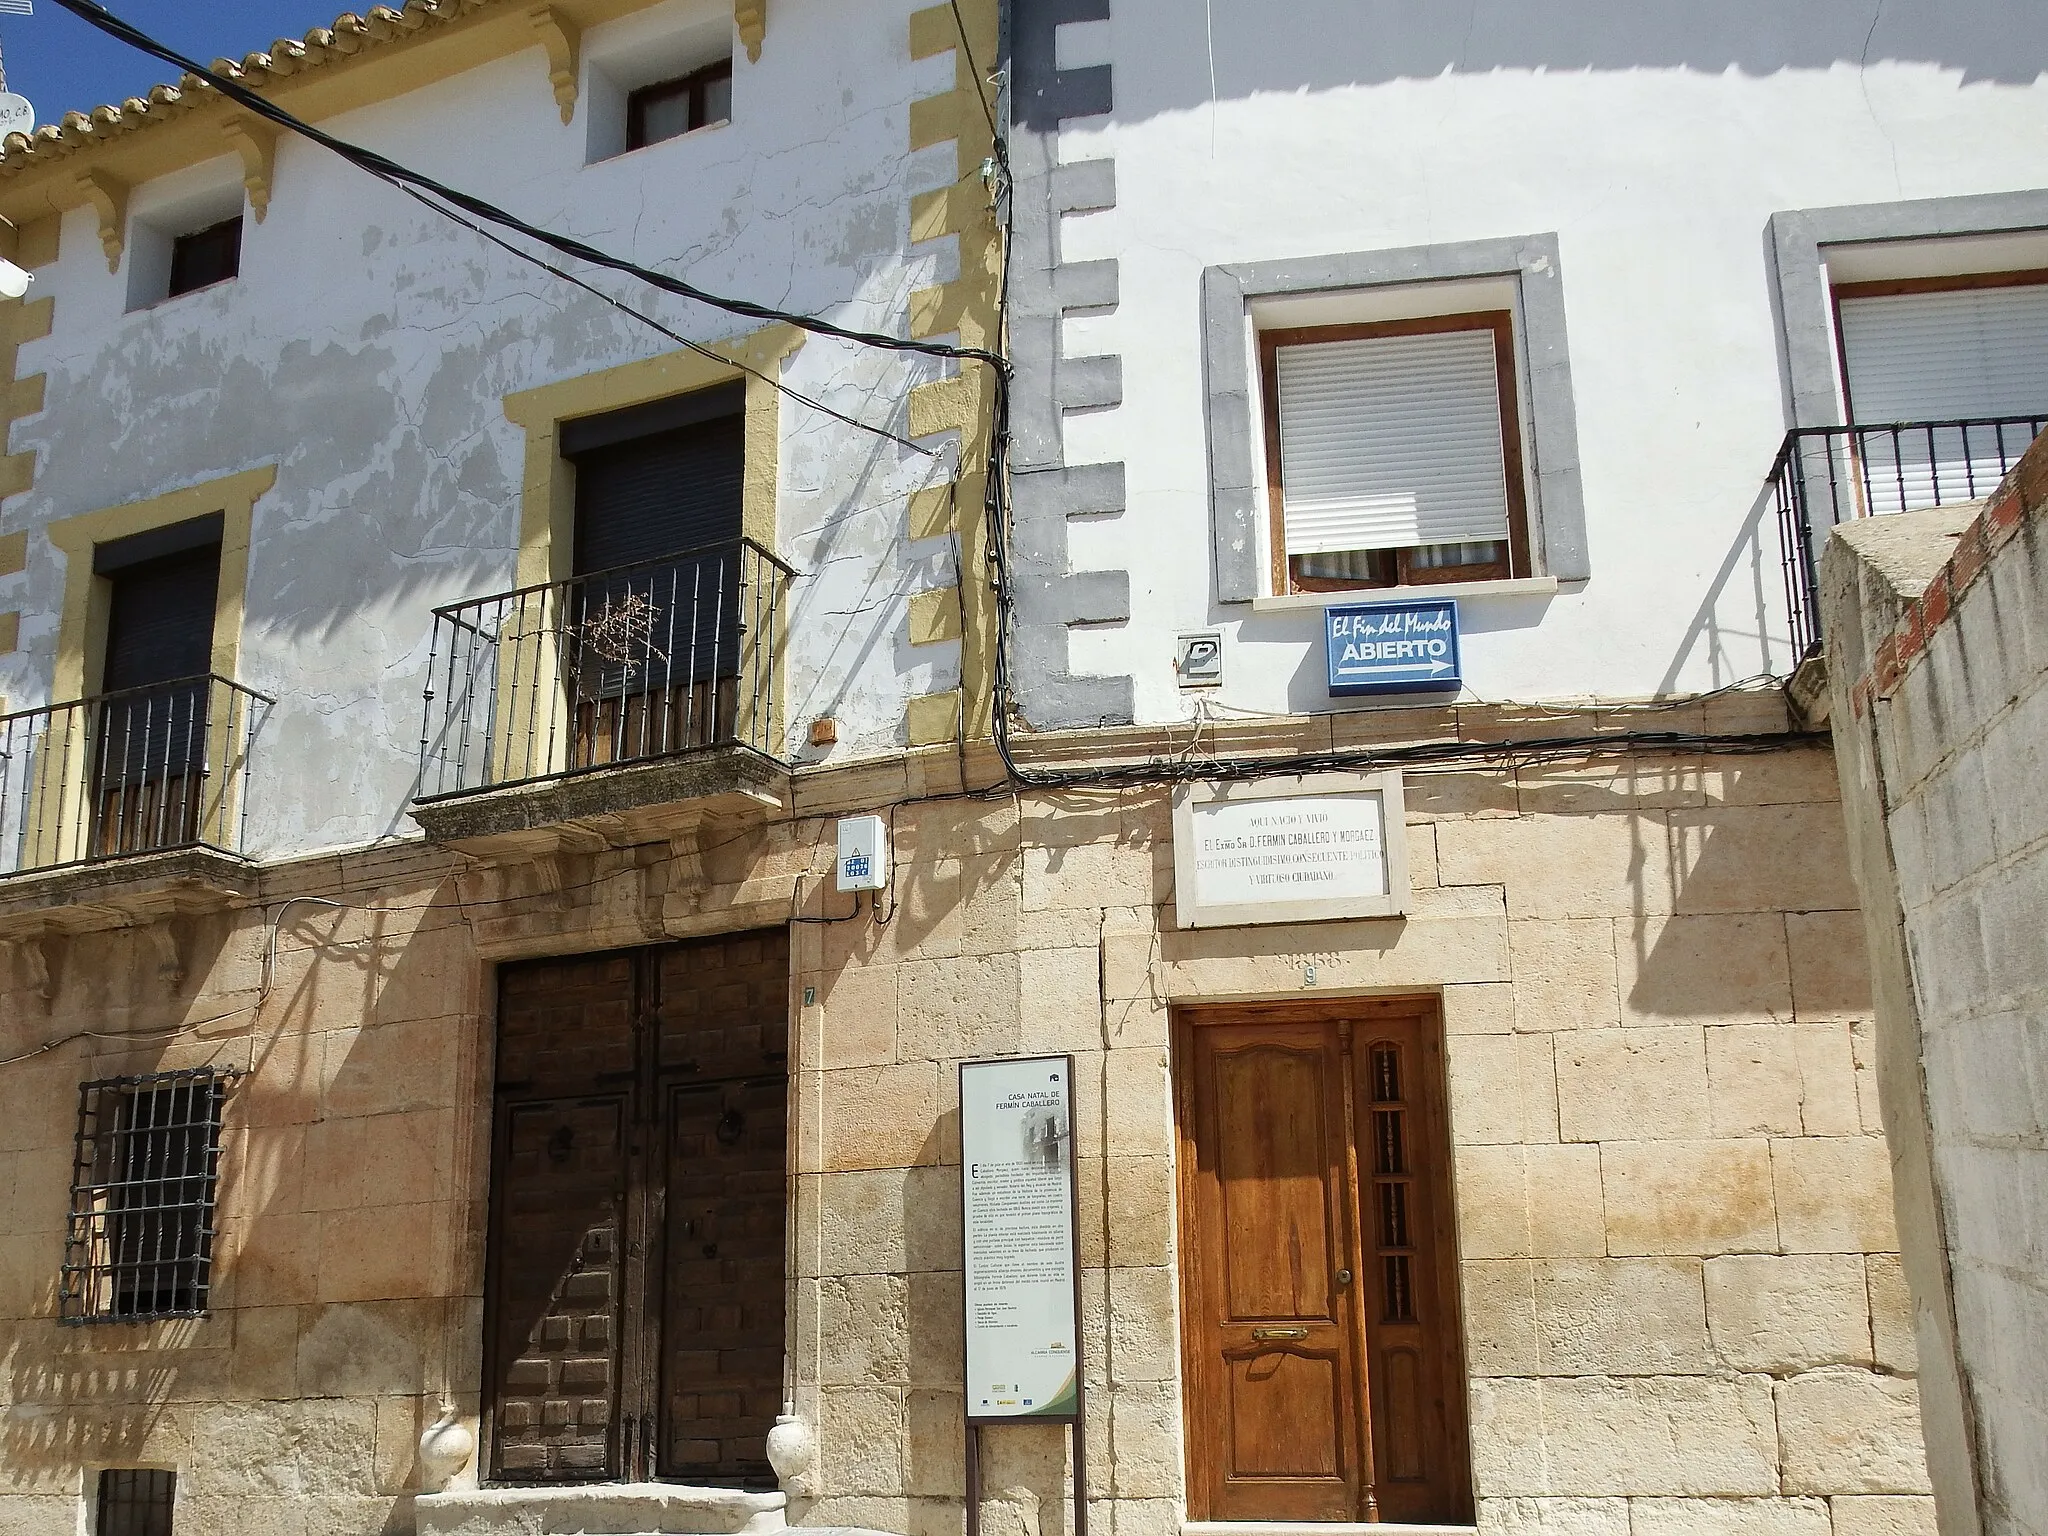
<point>600,1509</point>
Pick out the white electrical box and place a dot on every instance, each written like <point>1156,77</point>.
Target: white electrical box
<point>863,853</point>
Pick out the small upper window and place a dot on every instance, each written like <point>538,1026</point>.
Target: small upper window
<point>674,107</point>
<point>206,256</point>
<point>1394,453</point>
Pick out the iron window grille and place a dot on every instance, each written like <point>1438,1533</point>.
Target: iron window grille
<point>144,1176</point>
<point>135,1502</point>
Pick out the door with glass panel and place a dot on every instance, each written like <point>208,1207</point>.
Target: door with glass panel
<point>1321,1339</point>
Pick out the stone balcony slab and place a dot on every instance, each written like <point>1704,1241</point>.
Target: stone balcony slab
<point>123,892</point>
<point>609,807</point>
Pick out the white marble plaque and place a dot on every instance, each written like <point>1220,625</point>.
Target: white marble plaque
<point>1310,848</point>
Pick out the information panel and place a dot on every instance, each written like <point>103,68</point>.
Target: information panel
<point>1017,1206</point>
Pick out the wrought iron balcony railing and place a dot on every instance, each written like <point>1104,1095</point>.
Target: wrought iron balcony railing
<point>1827,475</point>
<point>623,666</point>
<point>139,771</point>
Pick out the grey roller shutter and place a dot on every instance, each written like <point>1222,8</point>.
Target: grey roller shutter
<point>651,497</point>
<point>152,725</point>
<point>658,519</point>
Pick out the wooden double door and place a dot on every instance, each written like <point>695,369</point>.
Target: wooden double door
<point>1323,1352</point>
<point>634,1293</point>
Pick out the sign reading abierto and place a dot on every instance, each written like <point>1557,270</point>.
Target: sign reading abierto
<point>1289,850</point>
<point>1392,647</point>
<point>1017,1207</point>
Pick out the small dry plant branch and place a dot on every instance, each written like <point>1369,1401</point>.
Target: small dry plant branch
<point>622,631</point>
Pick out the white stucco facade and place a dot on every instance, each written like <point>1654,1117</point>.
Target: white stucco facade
<point>1654,145</point>
<point>367,345</point>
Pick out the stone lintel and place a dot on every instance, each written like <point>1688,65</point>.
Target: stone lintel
<point>610,808</point>
<point>123,892</point>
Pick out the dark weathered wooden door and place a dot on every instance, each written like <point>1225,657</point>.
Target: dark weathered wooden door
<point>722,1317</point>
<point>635,1281</point>
<point>1320,1323</point>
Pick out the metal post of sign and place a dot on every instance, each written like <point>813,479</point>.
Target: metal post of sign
<point>1020,1263</point>
<point>973,1478</point>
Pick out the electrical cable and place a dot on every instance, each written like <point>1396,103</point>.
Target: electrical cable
<point>995,501</point>
<point>974,69</point>
<point>139,1035</point>
<point>655,325</point>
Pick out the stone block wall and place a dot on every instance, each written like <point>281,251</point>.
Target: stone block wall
<point>1683,1303</point>
<point>345,1303</point>
<point>1937,639</point>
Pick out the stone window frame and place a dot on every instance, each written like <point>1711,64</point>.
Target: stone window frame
<point>1557,517</point>
<point>87,603</point>
<point>547,502</point>
<point>1798,239</point>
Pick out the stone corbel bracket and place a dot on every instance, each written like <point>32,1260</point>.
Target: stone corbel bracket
<point>563,40</point>
<point>751,17</point>
<point>108,198</point>
<point>39,949</point>
<point>256,142</point>
<point>170,952</point>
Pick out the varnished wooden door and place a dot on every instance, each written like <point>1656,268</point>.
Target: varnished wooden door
<point>635,1280</point>
<point>1320,1326</point>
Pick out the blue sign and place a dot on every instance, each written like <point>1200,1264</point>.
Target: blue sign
<point>1392,647</point>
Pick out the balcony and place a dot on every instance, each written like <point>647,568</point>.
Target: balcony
<point>1827,475</point>
<point>125,805</point>
<point>607,703</point>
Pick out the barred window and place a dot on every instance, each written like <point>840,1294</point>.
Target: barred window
<point>140,1242</point>
<point>135,1502</point>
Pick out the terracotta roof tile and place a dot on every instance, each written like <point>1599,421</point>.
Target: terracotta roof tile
<point>350,35</point>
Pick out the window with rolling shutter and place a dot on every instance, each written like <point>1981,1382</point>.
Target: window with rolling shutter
<point>1394,454</point>
<point>655,611</point>
<point>1959,359</point>
<point>657,480</point>
<point>150,723</point>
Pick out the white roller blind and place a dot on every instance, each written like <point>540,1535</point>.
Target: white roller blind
<point>1969,353</point>
<point>1964,355</point>
<point>1390,441</point>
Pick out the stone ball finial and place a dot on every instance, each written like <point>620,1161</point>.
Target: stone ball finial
<point>792,1449</point>
<point>445,1449</point>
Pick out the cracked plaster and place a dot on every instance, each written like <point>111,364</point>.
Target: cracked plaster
<point>398,471</point>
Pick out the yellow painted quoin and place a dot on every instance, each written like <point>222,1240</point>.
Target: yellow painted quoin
<point>967,308</point>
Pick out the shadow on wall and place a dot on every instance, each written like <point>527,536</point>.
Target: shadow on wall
<point>1750,582</point>
<point>343,1284</point>
<point>1329,44</point>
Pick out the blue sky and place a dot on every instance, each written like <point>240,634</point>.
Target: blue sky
<point>63,65</point>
